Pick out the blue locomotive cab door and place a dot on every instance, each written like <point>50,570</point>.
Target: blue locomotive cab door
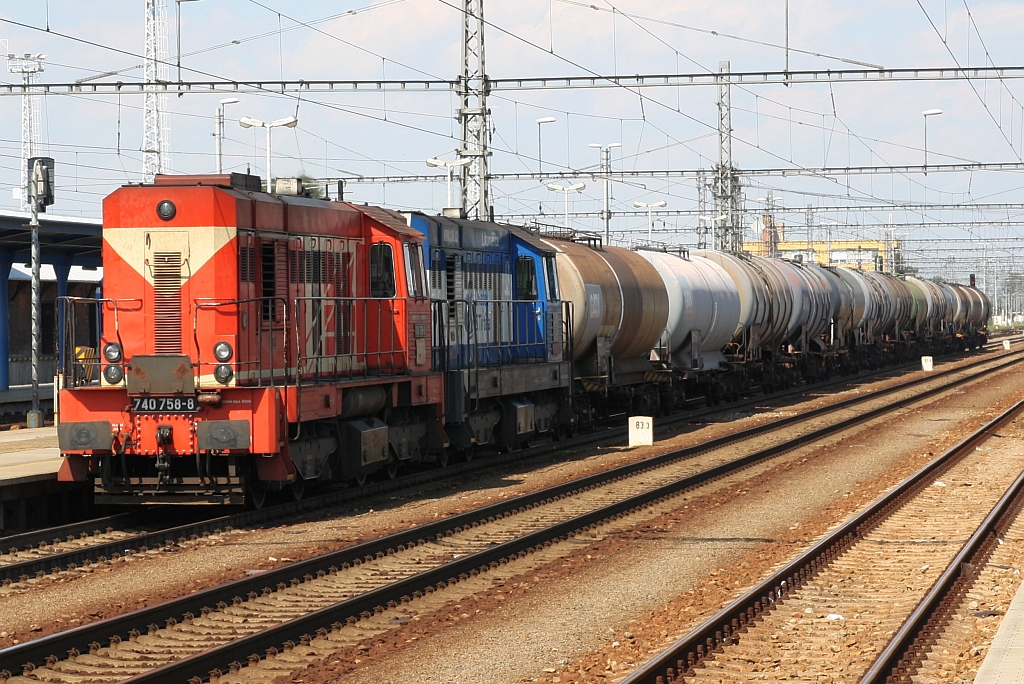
<point>528,312</point>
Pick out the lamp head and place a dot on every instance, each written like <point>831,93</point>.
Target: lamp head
<point>660,203</point>
<point>556,187</point>
<point>639,205</point>
<point>546,119</point>
<point>230,100</point>
<point>462,162</point>
<point>434,161</point>
<point>931,112</point>
<point>249,122</point>
<point>288,121</point>
<point>578,186</point>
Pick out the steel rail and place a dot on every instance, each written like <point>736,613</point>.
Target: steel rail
<point>27,540</point>
<point>724,627</point>
<point>910,643</point>
<point>56,562</point>
<point>13,658</point>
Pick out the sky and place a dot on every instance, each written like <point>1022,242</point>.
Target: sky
<point>96,140</point>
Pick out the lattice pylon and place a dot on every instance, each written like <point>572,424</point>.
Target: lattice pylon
<point>473,114</point>
<point>156,130</point>
<point>29,66</point>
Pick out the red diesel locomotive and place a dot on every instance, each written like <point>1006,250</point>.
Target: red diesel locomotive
<point>248,340</point>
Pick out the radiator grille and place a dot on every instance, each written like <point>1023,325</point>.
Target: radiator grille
<point>167,302</point>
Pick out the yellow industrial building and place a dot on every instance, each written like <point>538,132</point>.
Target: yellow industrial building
<point>866,255</point>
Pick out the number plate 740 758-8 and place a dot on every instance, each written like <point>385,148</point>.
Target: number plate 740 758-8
<point>165,404</point>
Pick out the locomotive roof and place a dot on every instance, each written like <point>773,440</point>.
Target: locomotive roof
<point>391,219</point>
<point>521,233</point>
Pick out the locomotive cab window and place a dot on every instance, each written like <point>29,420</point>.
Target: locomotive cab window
<point>382,270</point>
<point>551,278</point>
<point>526,279</point>
<point>415,279</point>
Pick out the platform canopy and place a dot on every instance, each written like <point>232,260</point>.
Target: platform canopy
<point>64,241</point>
<point>77,241</point>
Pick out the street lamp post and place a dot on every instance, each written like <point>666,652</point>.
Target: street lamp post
<point>177,4</point>
<point>712,220</point>
<point>218,131</point>
<point>566,189</point>
<point>540,155</point>
<point>926,113</point>
<point>248,122</point>
<point>451,166</point>
<point>606,169</point>
<point>650,221</point>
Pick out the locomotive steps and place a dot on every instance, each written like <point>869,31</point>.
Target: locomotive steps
<point>521,533</point>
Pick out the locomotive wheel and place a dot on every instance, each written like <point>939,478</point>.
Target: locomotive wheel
<point>298,488</point>
<point>256,493</point>
<point>256,498</point>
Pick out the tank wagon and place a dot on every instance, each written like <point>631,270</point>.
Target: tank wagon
<point>253,342</point>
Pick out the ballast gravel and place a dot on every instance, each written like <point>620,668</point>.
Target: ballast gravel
<point>40,608</point>
<point>608,607</point>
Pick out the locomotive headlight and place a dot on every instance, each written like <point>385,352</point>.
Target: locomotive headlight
<point>223,351</point>
<point>166,210</point>
<point>112,352</point>
<point>223,373</point>
<point>113,373</point>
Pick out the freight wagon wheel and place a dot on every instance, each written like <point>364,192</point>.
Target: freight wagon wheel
<point>442,459</point>
<point>360,479</point>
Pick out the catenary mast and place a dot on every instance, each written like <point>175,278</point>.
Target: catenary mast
<point>473,114</point>
<point>156,130</point>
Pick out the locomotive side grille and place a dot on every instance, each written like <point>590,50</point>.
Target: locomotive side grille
<point>343,314</point>
<point>346,274</point>
<point>243,264</point>
<point>167,302</point>
<point>247,265</point>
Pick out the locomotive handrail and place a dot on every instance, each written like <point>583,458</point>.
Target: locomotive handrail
<point>390,353</point>
<point>67,365</point>
<point>209,303</point>
<point>523,336</point>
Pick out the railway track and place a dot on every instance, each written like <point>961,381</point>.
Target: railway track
<point>32,556</point>
<point>898,571</point>
<point>277,619</point>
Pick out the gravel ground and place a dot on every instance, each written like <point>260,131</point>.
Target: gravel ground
<point>108,589</point>
<point>598,614</point>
